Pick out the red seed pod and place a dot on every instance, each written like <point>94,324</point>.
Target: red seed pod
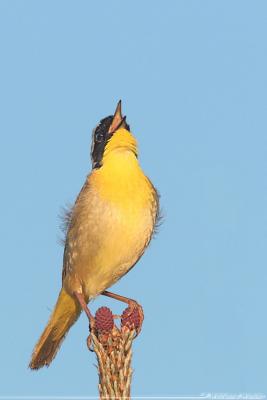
<point>104,320</point>
<point>131,318</point>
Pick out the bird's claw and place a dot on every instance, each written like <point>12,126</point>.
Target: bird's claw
<point>89,342</point>
<point>135,311</point>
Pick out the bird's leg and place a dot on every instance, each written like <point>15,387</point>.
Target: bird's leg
<point>85,308</point>
<point>133,305</point>
<point>90,316</point>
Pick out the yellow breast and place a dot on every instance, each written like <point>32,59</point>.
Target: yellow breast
<point>112,223</point>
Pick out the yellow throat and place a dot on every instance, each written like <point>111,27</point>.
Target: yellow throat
<point>120,176</point>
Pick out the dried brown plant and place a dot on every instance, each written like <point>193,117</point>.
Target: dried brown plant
<point>113,349</point>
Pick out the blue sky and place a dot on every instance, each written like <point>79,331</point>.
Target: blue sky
<point>192,78</point>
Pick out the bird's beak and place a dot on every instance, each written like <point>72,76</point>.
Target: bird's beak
<point>118,120</point>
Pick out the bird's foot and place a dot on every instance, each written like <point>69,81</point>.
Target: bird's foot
<point>92,329</point>
<point>133,316</point>
<point>91,318</point>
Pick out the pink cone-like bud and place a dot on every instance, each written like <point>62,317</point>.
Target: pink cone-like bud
<point>131,318</point>
<point>104,320</point>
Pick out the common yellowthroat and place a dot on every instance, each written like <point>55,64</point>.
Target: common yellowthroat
<point>108,230</point>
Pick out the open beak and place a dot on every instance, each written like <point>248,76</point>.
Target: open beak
<point>118,120</point>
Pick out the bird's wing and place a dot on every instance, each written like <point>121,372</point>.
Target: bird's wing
<point>67,223</point>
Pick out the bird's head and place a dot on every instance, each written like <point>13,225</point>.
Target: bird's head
<point>112,134</point>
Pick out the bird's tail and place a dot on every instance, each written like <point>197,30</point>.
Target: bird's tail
<point>65,313</point>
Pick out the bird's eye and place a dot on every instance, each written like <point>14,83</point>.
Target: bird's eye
<point>99,137</point>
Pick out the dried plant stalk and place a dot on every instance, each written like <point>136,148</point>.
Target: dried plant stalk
<point>114,355</point>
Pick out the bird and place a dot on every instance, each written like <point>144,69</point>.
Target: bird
<point>108,229</point>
